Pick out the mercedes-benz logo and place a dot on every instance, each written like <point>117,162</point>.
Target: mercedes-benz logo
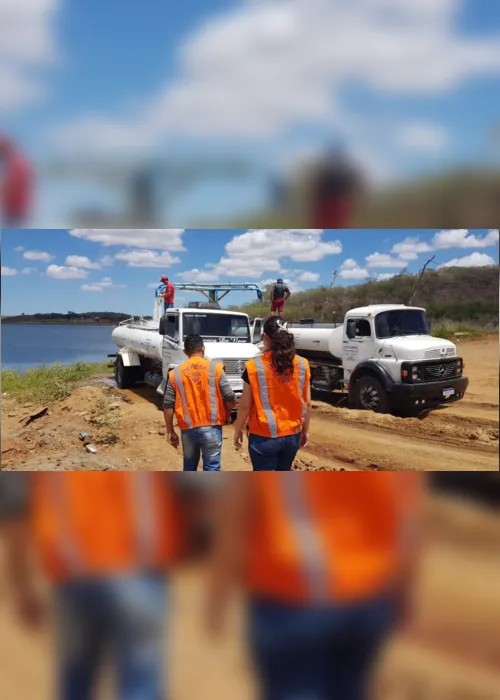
<point>442,370</point>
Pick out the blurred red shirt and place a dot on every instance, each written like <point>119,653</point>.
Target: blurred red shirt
<point>17,186</point>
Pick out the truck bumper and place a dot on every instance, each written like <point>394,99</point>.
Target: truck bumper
<point>428,393</point>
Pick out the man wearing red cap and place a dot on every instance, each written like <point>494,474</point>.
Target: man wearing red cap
<point>16,185</point>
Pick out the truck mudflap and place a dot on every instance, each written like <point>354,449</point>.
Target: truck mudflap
<point>429,393</point>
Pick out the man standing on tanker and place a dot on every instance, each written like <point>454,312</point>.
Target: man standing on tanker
<point>279,294</point>
<point>166,290</point>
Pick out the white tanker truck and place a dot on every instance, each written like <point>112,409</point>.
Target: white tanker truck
<point>150,348</point>
<point>382,357</point>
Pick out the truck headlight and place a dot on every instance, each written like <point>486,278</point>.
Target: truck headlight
<point>460,366</point>
<point>414,372</point>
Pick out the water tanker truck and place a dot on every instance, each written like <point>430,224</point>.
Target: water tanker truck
<point>383,358</point>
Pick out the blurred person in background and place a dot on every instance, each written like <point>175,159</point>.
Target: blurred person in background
<point>16,185</point>
<point>198,393</point>
<point>276,402</point>
<point>335,186</point>
<point>278,295</point>
<point>106,543</point>
<point>327,562</point>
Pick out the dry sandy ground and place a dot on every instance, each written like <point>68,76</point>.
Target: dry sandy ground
<point>453,652</point>
<point>462,436</point>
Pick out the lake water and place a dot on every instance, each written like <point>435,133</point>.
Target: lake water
<point>25,346</point>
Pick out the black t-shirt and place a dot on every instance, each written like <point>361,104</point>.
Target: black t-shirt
<point>279,291</point>
<point>244,376</point>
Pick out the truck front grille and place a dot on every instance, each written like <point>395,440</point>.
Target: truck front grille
<point>438,371</point>
<point>234,366</point>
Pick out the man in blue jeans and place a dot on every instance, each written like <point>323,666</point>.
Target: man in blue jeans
<point>200,396</point>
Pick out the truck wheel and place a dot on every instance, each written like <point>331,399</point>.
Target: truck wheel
<point>125,376</point>
<point>370,395</point>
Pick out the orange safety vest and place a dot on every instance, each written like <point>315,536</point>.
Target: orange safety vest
<point>279,402</point>
<point>94,523</point>
<point>198,398</point>
<point>319,538</point>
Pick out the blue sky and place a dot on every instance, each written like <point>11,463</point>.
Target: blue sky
<point>102,269</point>
<point>409,86</point>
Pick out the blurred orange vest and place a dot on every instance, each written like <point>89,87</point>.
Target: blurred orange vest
<point>279,401</point>
<point>198,398</point>
<point>94,523</point>
<point>320,537</point>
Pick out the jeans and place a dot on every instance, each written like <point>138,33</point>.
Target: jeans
<point>168,306</point>
<point>120,619</point>
<point>205,441</point>
<point>273,454</point>
<point>323,653</point>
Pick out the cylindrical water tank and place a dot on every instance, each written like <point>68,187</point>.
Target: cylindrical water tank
<point>327,341</point>
<point>139,340</point>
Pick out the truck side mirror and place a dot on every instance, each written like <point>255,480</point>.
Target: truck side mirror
<point>161,326</point>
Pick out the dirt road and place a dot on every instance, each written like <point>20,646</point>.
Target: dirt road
<point>462,436</point>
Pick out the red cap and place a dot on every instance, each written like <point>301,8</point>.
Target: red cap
<point>163,277</point>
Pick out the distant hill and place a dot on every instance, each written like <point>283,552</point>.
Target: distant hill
<point>90,318</point>
<point>461,294</point>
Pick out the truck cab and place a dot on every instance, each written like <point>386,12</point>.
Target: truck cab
<point>226,335</point>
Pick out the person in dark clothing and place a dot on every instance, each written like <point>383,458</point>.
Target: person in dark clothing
<point>279,294</point>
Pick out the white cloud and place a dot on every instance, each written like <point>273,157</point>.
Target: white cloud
<point>383,276</point>
<point>196,275</point>
<point>159,238</point>
<point>62,272</point>
<point>28,45</point>
<point>82,261</point>
<point>28,270</point>
<point>8,271</point>
<point>295,59</point>
<point>473,260</point>
<point>350,270</point>
<point>384,260</point>
<point>147,258</point>
<point>421,137</point>
<point>19,249</point>
<point>300,245</point>
<point>410,248</point>
<point>259,251</point>
<point>308,276</point>
<point>105,283</point>
<point>37,255</point>
<point>293,285</point>
<point>461,238</point>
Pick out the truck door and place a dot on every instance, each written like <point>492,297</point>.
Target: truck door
<point>171,350</point>
<point>358,344</point>
<point>257,331</point>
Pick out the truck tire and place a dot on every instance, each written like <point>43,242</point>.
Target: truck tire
<point>370,395</point>
<point>125,377</point>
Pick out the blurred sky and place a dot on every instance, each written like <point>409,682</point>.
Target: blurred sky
<point>105,270</point>
<point>409,86</point>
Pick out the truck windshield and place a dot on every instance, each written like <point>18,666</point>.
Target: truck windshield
<point>217,328</point>
<point>400,322</point>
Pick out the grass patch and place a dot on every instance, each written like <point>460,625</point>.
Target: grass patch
<point>452,329</point>
<point>106,421</point>
<point>48,383</point>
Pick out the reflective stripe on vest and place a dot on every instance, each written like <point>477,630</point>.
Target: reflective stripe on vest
<point>264,393</point>
<point>314,558</point>
<point>143,520</point>
<point>264,396</point>
<point>302,379</point>
<point>211,391</point>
